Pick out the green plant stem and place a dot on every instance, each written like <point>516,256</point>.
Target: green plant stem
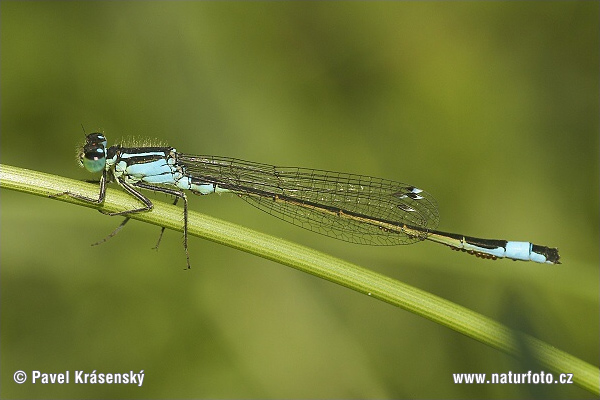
<point>324,266</point>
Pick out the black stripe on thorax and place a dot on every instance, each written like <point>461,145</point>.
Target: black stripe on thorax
<point>138,155</point>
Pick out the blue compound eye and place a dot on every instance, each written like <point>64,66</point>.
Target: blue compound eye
<point>93,158</point>
<point>92,155</point>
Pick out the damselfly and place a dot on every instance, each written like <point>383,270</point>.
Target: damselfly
<point>355,208</point>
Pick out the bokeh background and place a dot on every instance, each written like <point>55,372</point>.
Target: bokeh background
<point>490,106</point>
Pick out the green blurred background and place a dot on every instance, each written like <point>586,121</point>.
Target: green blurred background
<point>490,106</point>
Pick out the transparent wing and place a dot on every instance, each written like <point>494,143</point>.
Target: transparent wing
<point>354,208</point>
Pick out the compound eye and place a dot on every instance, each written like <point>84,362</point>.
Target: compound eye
<point>93,158</point>
<point>96,138</point>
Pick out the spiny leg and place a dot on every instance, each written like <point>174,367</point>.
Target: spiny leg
<point>113,233</point>
<point>162,230</point>
<point>147,207</point>
<point>100,198</point>
<point>131,190</point>
<point>177,194</point>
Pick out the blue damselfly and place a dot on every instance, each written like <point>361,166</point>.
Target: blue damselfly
<point>355,208</point>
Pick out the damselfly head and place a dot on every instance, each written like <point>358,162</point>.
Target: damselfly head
<point>92,154</point>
